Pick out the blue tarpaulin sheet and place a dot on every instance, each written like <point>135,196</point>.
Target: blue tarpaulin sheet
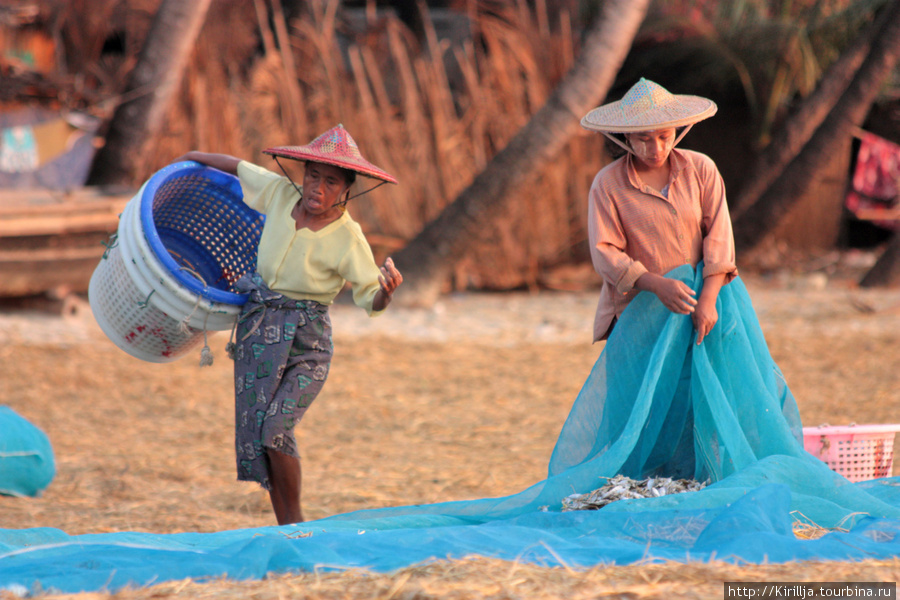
<point>27,464</point>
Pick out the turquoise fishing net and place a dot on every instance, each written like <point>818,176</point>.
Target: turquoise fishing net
<point>655,403</point>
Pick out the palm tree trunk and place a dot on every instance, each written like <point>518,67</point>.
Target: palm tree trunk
<point>850,111</point>
<point>789,140</point>
<point>428,259</point>
<point>886,271</point>
<point>151,85</point>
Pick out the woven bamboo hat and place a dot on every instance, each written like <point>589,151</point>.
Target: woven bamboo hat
<point>334,147</point>
<point>647,107</point>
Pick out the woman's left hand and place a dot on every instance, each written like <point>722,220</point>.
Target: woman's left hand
<point>704,316</point>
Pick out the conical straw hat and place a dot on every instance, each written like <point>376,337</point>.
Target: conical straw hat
<point>647,107</point>
<point>334,147</point>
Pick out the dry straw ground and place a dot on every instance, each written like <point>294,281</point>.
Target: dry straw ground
<point>462,401</point>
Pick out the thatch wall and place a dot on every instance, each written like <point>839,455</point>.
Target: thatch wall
<point>431,110</point>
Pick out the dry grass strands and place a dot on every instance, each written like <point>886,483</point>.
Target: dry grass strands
<point>805,528</point>
<point>403,420</point>
<point>486,578</point>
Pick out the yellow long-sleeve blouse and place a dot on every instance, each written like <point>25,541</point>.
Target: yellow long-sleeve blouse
<point>301,263</point>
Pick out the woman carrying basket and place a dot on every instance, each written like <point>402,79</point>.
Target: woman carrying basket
<point>310,247</point>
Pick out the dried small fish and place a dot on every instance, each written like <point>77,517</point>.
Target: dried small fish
<point>622,488</point>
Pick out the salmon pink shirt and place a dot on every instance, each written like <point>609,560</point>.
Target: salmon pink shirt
<point>634,229</point>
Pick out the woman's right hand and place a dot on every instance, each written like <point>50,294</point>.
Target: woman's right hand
<point>675,295</point>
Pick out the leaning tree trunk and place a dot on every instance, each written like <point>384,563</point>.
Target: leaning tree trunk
<point>850,111</point>
<point>429,258</point>
<point>886,271</point>
<point>789,140</point>
<point>151,85</point>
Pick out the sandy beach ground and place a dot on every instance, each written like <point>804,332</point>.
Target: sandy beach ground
<point>463,400</point>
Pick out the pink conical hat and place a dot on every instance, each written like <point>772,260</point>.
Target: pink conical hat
<point>334,147</point>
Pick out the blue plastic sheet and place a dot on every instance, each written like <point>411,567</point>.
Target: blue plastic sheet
<point>27,465</point>
<point>654,404</point>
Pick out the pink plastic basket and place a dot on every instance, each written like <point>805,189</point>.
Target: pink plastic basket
<point>858,452</point>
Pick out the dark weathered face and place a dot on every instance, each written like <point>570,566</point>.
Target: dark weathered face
<point>323,186</point>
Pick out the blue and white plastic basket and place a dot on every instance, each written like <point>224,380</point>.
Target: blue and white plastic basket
<point>182,243</point>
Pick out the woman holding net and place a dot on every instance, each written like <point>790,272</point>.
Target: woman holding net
<point>685,386</point>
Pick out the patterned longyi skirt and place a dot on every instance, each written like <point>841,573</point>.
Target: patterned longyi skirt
<point>282,354</point>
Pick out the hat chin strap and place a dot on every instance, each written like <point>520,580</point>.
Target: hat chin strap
<point>340,204</point>
<point>349,198</point>
<point>299,191</point>
<point>617,141</point>
<point>682,134</point>
<point>627,148</point>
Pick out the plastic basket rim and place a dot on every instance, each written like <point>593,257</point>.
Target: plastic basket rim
<point>827,430</point>
<point>206,314</point>
<point>152,235</point>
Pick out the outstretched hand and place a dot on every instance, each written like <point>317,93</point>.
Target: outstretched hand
<point>389,280</point>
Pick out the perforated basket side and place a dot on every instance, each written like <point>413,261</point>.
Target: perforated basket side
<point>857,455</point>
<point>170,296</point>
<point>128,320</point>
<point>198,226</point>
<point>864,456</point>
